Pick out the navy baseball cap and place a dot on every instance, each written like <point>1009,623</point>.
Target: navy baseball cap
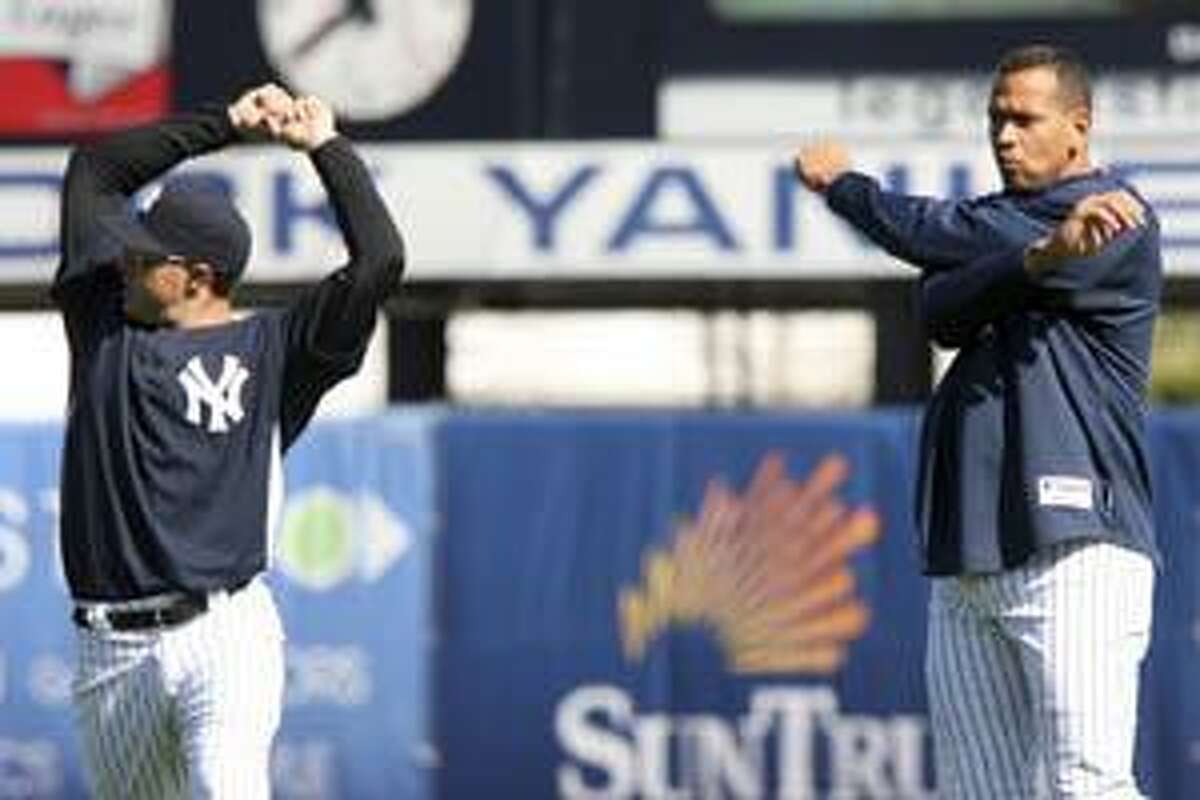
<point>192,217</point>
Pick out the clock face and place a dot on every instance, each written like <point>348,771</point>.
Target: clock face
<point>369,59</point>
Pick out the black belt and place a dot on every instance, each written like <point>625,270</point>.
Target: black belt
<point>165,614</point>
<point>177,611</point>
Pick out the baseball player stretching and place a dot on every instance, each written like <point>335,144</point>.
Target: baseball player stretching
<point>179,415</point>
<point>1034,489</point>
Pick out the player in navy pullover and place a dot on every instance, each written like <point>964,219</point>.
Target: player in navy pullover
<point>180,413</point>
<point>1033,499</point>
<point>1050,377</point>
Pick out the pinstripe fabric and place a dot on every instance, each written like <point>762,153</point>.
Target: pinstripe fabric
<point>276,488</point>
<point>129,731</point>
<point>1033,675</point>
<point>188,712</point>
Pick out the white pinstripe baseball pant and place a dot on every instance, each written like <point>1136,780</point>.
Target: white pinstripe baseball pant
<point>1033,675</point>
<point>185,712</point>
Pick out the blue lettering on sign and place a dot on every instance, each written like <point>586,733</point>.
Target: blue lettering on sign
<point>543,212</point>
<point>667,202</point>
<point>895,178</point>
<point>786,187</point>
<point>289,211</point>
<point>24,182</point>
<point>706,220</point>
<point>960,183</point>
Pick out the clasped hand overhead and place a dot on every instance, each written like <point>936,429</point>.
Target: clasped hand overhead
<point>269,111</point>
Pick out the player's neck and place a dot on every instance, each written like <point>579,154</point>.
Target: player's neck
<point>1081,164</point>
<point>202,312</point>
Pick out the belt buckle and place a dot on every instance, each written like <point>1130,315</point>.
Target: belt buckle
<point>187,609</point>
<point>97,619</point>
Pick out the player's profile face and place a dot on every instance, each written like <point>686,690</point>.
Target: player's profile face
<point>152,284</point>
<point>1037,138</point>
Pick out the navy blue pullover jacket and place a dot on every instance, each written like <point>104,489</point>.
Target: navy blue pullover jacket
<point>1036,434</point>
<point>169,489</point>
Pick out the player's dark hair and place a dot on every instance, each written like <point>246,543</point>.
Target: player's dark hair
<point>220,282</point>
<point>222,286</point>
<point>1074,79</point>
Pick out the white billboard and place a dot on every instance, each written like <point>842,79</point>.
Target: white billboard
<point>626,210</point>
<point>102,42</point>
<point>944,106</point>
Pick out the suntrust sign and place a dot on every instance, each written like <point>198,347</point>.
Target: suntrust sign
<point>792,743</point>
<point>613,211</point>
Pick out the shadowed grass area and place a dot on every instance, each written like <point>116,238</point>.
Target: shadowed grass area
<point>1175,379</point>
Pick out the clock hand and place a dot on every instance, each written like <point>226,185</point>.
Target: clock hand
<point>362,10</point>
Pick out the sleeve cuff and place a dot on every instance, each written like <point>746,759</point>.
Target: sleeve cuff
<point>846,192</point>
<point>331,148</point>
<point>218,115</point>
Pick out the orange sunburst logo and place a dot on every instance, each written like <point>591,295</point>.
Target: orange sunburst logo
<point>766,572</point>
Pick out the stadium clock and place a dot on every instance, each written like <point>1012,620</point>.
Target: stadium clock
<point>370,59</point>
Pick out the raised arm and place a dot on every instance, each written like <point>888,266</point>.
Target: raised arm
<point>927,233</point>
<point>336,318</point>
<point>329,326</point>
<point>1093,246</point>
<point>101,177</point>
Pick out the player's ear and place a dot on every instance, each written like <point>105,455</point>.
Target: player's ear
<point>200,274</point>
<point>1081,120</point>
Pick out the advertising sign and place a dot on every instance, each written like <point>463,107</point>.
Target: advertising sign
<point>352,580</point>
<point>682,607</point>
<point>72,66</point>
<point>697,606</point>
<point>590,605</point>
<point>609,211</point>
<point>944,106</point>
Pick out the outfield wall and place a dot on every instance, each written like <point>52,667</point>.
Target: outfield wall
<point>619,605</point>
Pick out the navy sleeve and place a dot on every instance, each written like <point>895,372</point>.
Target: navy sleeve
<point>328,327</point>
<point>957,303</point>
<point>1075,277</point>
<point>102,177</point>
<point>927,233</point>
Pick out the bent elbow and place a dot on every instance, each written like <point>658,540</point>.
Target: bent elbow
<point>947,334</point>
<point>394,273</point>
<point>951,341</point>
<point>394,263</point>
<point>387,270</point>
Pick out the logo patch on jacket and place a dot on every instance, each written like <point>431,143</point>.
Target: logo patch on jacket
<point>222,396</point>
<point>1065,491</point>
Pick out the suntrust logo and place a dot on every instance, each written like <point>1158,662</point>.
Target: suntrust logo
<point>790,743</point>
<point>766,572</point>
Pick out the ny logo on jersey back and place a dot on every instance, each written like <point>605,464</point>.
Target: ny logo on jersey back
<point>223,396</point>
